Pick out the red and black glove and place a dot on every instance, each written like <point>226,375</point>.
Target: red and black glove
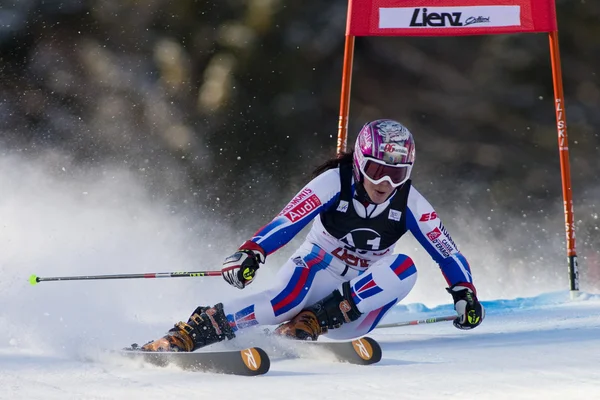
<point>469,309</point>
<point>240,268</point>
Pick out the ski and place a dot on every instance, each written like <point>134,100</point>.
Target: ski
<point>251,361</point>
<point>363,351</point>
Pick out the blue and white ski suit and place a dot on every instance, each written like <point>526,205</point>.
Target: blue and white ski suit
<point>349,241</point>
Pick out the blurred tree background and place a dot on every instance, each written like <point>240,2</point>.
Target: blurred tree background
<point>228,105</point>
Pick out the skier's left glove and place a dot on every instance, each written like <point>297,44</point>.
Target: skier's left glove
<point>240,268</point>
<point>469,309</point>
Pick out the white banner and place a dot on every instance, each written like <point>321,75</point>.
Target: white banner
<point>449,17</point>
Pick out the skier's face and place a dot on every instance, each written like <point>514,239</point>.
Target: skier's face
<point>378,193</point>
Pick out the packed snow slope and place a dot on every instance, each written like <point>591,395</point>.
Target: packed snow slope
<point>544,347</point>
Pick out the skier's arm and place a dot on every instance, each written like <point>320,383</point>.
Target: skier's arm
<point>428,229</point>
<point>425,225</point>
<point>318,195</point>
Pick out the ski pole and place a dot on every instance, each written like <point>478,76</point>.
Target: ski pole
<point>34,279</point>
<point>419,321</point>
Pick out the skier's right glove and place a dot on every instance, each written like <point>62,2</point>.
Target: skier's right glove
<point>240,268</point>
<point>469,309</point>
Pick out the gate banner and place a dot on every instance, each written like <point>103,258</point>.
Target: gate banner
<point>449,17</point>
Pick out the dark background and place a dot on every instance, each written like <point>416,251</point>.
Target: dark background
<point>224,108</point>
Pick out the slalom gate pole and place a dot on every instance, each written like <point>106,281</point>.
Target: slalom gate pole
<point>565,167</point>
<point>342,138</point>
<point>419,321</point>
<point>34,279</point>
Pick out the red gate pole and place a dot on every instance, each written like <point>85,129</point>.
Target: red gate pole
<point>342,138</point>
<point>565,169</point>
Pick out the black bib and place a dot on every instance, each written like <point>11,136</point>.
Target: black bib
<point>366,234</point>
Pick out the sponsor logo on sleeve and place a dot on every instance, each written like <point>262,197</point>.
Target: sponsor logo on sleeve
<point>434,234</point>
<point>450,17</point>
<point>303,204</point>
<point>428,217</point>
<point>441,240</point>
<point>447,235</point>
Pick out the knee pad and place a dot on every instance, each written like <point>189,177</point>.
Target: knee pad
<point>336,309</point>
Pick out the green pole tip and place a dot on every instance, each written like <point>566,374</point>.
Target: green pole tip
<point>33,279</point>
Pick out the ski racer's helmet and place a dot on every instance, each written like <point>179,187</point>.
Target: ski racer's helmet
<point>384,151</point>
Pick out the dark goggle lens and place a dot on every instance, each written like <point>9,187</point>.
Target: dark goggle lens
<point>397,173</point>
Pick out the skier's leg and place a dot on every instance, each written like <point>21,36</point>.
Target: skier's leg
<point>375,292</point>
<point>356,307</point>
<point>303,277</point>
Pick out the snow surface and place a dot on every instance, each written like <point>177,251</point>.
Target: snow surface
<point>545,347</point>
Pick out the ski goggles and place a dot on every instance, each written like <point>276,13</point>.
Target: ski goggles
<point>378,171</point>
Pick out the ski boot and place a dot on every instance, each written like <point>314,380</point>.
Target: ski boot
<point>206,325</point>
<point>328,313</point>
<point>303,326</point>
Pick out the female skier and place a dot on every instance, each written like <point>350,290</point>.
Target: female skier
<point>344,278</point>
